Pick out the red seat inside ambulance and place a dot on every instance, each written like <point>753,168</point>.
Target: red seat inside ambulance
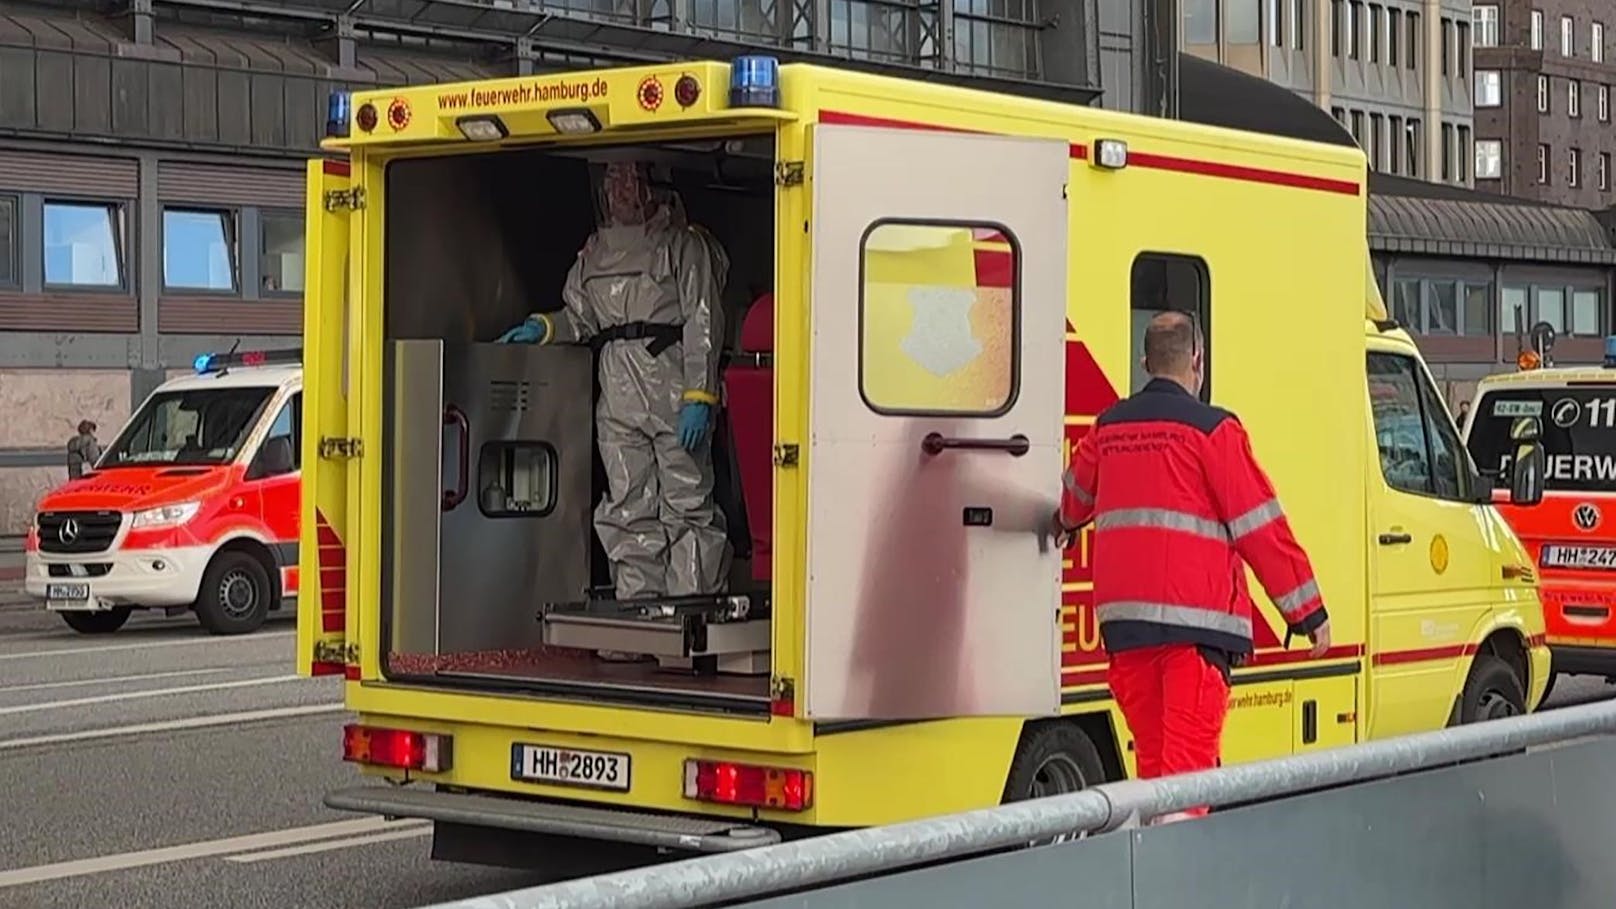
<point>749,391</point>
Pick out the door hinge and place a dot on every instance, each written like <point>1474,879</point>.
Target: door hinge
<point>785,456</point>
<point>782,689</point>
<point>334,448</point>
<point>336,652</point>
<point>788,173</point>
<point>352,199</point>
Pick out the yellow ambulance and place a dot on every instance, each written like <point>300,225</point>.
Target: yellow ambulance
<point>934,291</point>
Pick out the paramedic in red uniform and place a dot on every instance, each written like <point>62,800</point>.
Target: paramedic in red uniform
<point>1178,502</point>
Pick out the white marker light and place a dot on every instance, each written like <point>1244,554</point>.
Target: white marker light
<point>482,128</point>
<point>576,120</point>
<point>1111,154</point>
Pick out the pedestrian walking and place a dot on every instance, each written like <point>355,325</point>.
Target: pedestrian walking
<point>83,450</point>
<point>1178,501</point>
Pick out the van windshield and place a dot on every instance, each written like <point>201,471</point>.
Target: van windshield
<point>201,426</point>
<point>1579,434</point>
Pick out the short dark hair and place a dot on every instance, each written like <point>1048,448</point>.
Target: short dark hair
<point>86,426</point>
<point>1171,341</point>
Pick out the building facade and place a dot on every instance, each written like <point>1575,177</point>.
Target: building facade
<point>1544,74</point>
<point>1395,73</point>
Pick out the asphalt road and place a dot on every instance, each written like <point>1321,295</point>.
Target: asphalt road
<point>163,767</point>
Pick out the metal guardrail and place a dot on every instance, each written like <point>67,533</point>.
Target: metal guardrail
<point>882,850</point>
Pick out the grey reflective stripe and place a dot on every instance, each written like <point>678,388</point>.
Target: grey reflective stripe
<point>1078,492</point>
<point>1296,599</point>
<point>1163,518</point>
<point>1168,614</point>
<point>1255,518</point>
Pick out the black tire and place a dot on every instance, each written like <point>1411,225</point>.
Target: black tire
<point>1493,691</point>
<point>1548,689</point>
<point>97,622</point>
<point>235,594</point>
<point>1054,759</point>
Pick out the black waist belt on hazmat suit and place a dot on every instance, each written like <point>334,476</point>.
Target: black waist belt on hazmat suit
<point>662,335</point>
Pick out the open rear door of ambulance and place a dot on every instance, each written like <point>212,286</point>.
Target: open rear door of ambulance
<point>937,404</point>
<point>322,598</point>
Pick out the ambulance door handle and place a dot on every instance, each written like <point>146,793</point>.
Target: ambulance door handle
<point>936,443</point>
<point>452,416</point>
<point>1392,539</point>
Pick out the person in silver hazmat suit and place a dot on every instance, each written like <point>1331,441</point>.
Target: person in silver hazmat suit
<point>644,293</point>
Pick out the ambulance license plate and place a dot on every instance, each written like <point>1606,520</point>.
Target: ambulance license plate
<point>64,593</point>
<point>570,767</point>
<point>1600,557</point>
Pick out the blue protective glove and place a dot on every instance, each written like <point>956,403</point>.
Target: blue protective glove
<point>693,419</point>
<point>531,331</point>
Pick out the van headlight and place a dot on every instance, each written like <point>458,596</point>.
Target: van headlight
<point>166,515</point>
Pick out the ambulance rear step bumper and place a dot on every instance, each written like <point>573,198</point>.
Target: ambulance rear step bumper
<point>664,831</point>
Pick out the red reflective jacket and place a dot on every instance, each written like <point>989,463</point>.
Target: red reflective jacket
<point>1178,501</point>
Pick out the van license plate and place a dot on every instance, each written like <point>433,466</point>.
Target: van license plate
<point>570,767</point>
<point>1602,557</point>
<point>67,592</point>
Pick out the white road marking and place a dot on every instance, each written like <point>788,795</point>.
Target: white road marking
<point>182,642</point>
<point>407,830</point>
<point>190,722</point>
<point>124,861</point>
<point>42,686</point>
<point>153,693</point>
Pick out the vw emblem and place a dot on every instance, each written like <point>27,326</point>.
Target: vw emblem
<point>1585,516</point>
<point>68,532</point>
<point>1565,412</point>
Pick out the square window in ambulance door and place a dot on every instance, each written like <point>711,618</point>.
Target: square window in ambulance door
<point>935,453</point>
<point>1431,562</point>
<point>1168,282</point>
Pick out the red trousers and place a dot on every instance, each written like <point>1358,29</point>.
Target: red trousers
<point>1174,701</point>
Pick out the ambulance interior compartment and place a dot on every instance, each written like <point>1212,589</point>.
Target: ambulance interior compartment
<point>474,243</point>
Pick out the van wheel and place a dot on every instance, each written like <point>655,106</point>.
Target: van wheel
<point>1054,759</point>
<point>235,594</point>
<point>97,622</point>
<point>1493,691</point>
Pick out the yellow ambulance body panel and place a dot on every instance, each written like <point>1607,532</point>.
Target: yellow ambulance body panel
<point>1011,215</point>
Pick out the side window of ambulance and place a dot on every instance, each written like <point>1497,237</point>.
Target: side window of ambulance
<point>938,313</point>
<point>289,425</point>
<point>1161,282</point>
<point>1419,449</point>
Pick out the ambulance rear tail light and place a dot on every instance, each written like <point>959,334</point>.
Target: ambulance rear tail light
<point>574,121</point>
<point>482,128</point>
<point>398,748</point>
<point>726,783</point>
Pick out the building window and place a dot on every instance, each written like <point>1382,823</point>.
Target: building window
<point>83,244</point>
<point>1161,282</point>
<point>1573,97</point>
<point>199,250</point>
<point>1463,50</point>
<point>281,259</point>
<point>1273,26</point>
<point>1376,137</point>
<point>1512,312</point>
<point>1542,94</point>
<point>1411,151</point>
<point>8,241</point>
<point>1447,44</point>
<point>1603,96</point>
<point>1354,28</point>
<point>1489,159</point>
<point>1412,56</point>
<point>1461,160</point>
<point>1297,26</point>
<point>1484,19</point>
<point>1340,115</point>
<point>1394,31</point>
<point>1604,170</point>
<point>1489,88</point>
<point>1241,26</point>
<point>1447,152</point>
<point>973,374</point>
<point>1394,144</point>
<point>1549,306</point>
<point>1587,309</point>
<point>1596,42</point>
<point>1568,36</point>
<point>1357,128</point>
<point>1522,306</point>
<point>1537,29</point>
<point>1542,164</point>
<point>1574,167</point>
<point>1200,22</point>
<point>1376,14</point>
<point>1337,14</point>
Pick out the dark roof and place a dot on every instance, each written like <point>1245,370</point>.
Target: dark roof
<point>1405,215</point>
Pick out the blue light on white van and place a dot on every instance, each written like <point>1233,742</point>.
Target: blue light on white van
<point>201,363</point>
<point>1610,351</point>
<point>754,81</point>
<point>336,115</point>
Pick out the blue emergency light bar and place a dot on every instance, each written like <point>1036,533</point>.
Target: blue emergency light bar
<point>219,362</point>
<point>754,81</point>
<point>1610,351</point>
<point>336,114</point>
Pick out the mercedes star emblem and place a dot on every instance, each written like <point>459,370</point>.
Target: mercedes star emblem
<point>68,532</point>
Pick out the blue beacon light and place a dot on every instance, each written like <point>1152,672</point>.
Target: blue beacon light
<point>202,363</point>
<point>754,81</point>
<point>336,114</point>
<point>1610,351</point>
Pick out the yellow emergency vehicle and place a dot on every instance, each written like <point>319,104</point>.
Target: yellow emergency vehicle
<point>949,285</point>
